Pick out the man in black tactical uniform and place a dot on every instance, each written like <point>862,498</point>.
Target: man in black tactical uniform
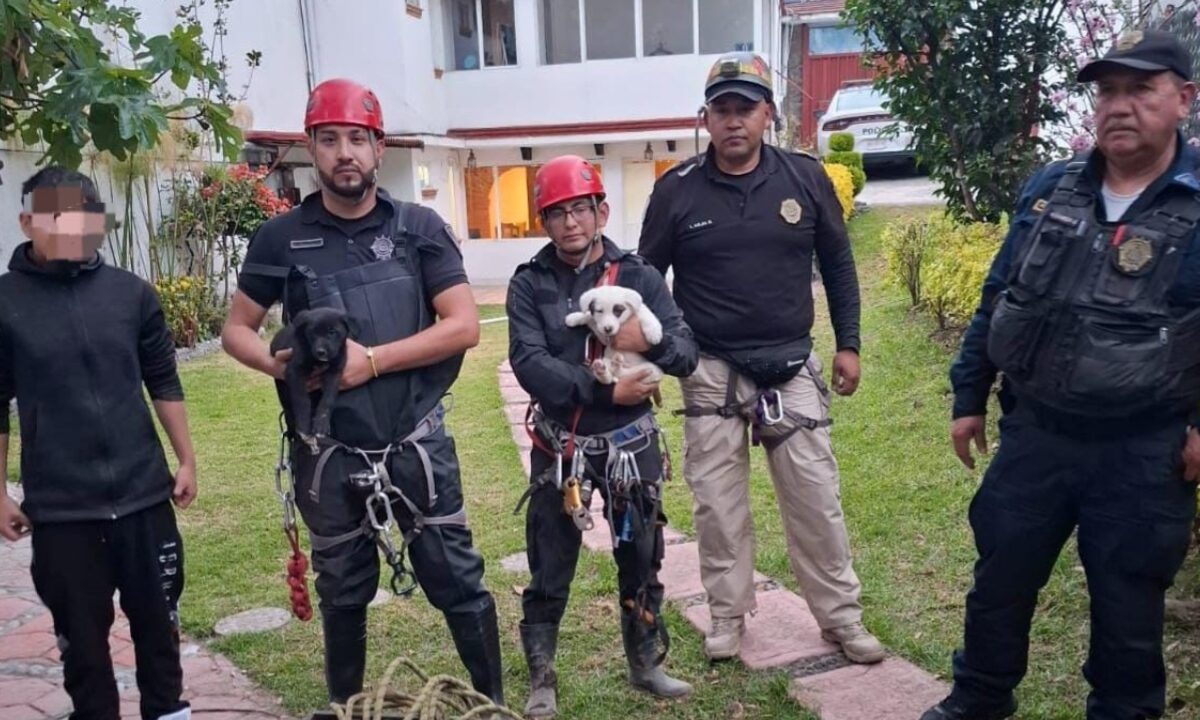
<point>392,266</point>
<point>1092,313</point>
<point>589,435</point>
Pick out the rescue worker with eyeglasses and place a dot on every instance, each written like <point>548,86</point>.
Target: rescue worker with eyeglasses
<point>590,438</point>
<point>1091,311</point>
<point>393,267</point>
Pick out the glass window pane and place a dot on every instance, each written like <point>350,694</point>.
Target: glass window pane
<point>499,33</point>
<point>726,25</point>
<point>833,40</point>
<point>610,29</point>
<point>518,218</point>
<point>560,31</point>
<point>481,203</point>
<point>462,35</point>
<point>667,27</point>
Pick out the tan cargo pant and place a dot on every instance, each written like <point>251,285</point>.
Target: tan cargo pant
<point>717,468</point>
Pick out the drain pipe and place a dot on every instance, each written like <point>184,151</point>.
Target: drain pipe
<point>305,32</point>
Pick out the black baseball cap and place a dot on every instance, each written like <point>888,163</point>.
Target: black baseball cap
<point>1148,50</point>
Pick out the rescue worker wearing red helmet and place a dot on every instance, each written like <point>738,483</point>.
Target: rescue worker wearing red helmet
<point>588,436</point>
<point>394,268</point>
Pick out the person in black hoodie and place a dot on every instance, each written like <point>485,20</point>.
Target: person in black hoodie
<point>78,341</point>
<point>590,436</point>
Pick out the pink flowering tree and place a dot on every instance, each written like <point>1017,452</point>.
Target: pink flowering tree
<point>1092,27</point>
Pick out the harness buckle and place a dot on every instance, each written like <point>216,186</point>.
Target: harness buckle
<point>770,407</point>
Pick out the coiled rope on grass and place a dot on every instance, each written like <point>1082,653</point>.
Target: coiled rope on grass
<point>441,697</point>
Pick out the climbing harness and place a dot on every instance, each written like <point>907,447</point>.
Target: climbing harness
<point>765,410</point>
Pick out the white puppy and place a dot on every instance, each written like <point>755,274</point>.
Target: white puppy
<point>604,310</point>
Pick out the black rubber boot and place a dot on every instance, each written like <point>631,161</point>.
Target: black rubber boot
<point>541,642</point>
<point>641,650</point>
<point>954,709</point>
<point>345,651</point>
<point>477,638</point>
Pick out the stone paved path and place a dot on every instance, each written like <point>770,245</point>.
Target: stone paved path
<point>31,683</point>
<point>782,634</point>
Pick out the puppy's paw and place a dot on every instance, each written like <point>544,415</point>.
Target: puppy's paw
<point>602,371</point>
<point>652,329</point>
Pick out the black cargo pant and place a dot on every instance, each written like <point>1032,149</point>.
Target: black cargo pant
<point>76,568</point>
<point>552,542</point>
<point>443,557</point>
<point>1122,488</point>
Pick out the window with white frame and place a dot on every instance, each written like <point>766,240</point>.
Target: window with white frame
<point>480,33</point>
<point>726,25</point>
<point>611,29</point>
<point>575,30</point>
<point>667,28</point>
<point>561,37</point>
<point>834,40</point>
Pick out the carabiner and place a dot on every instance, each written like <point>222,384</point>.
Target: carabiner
<point>770,406</point>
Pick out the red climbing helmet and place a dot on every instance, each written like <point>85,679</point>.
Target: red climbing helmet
<point>343,102</point>
<point>565,178</point>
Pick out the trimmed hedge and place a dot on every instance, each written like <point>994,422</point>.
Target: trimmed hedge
<point>841,142</point>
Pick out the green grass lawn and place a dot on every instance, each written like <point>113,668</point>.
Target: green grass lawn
<point>905,497</point>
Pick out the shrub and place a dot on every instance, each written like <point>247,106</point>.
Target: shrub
<point>907,246</point>
<point>841,142</point>
<point>191,309</point>
<point>854,162</point>
<point>957,266</point>
<point>843,185</point>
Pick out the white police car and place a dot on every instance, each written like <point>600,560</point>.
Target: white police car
<point>858,108</point>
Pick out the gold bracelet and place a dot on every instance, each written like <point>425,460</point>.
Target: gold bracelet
<point>371,357</point>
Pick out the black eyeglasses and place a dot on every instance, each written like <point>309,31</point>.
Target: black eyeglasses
<point>558,215</point>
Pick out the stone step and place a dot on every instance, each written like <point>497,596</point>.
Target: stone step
<point>894,688</point>
<point>781,632</point>
<point>680,574</point>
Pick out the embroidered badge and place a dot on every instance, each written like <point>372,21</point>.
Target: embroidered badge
<point>383,247</point>
<point>1134,254</point>
<point>1130,39</point>
<point>791,211</point>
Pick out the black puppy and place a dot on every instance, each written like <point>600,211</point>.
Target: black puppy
<point>317,339</point>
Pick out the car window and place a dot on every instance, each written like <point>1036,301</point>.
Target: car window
<point>858,99</point>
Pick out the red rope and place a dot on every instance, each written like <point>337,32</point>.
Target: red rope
<point>297,569</point>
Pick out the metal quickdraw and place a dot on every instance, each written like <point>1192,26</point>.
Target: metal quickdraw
<point>572,492</point>
<point>297,564</point>
<point>403,581</point>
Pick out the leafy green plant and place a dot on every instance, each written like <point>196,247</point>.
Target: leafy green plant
<point>961,257</point>
<point>64,84</point>
<point>843,186</point>
<point>191,308</point>
<point>968,79</point>
<point>841,142</point>
<point>907,245</point>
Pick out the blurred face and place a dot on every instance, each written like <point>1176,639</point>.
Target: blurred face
<point>64,227</point>
<point>573,224</point>
<point>1137,112</point>
<point>736,125</point>
<point>347,158</point>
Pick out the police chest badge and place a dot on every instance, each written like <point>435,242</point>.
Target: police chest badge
<point>791,211</point>
<point>1134,255</point>
<point>383,247</point>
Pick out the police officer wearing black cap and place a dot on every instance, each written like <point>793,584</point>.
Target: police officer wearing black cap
<point>740,224</point>
<point>1091,312</point>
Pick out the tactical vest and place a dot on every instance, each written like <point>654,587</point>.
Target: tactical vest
<point>1084,325</point>
<point>385,301</point>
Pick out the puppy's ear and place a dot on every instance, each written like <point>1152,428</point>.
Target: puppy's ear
<point>592,306</point>
<point>353,330</point>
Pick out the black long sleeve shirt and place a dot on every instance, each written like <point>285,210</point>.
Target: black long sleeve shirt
<point>77,345</point>
<point>742,250</point>
<point>548,357</point>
